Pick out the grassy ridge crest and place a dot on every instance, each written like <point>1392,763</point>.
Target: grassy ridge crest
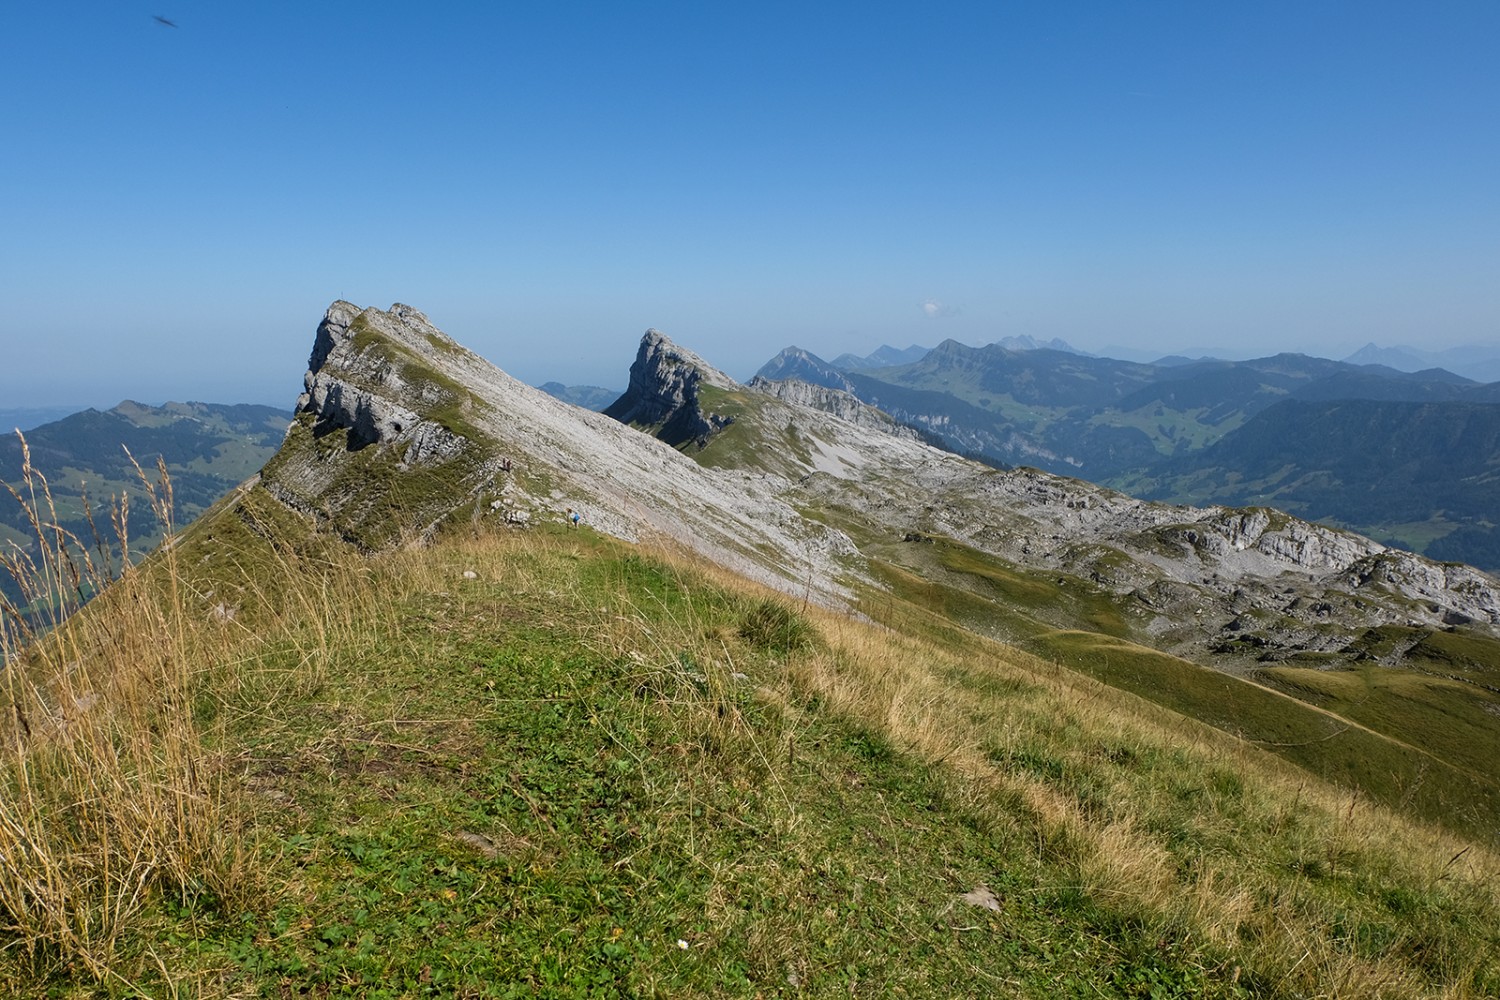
<point>544,762</point>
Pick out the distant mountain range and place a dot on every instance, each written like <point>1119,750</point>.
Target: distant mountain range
<point>590,397</point>
<point>885,357</point>
<point>1414,463</point>
<point>1474,361</point>
<point>889,357</point>
<point>209,448</point>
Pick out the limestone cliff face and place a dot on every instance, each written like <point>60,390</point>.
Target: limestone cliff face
<point>664,395</point>
<point>841,404</point>
<point>1457,593</point>
<point>366,417</point>
<point>368,392</point>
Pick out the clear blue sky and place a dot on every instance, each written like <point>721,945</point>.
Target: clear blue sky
<point>547,179</point>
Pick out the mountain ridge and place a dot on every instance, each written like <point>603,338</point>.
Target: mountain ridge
<point>509,451</point>
<point>1169,552</point>
<point>411,708</point>
<point>816,494</point>
<point>1139,426</point>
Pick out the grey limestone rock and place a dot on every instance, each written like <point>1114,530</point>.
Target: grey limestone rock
<point>388,386</point>
<point>664,392</point>
<point>400,429</point>
<point>841,404</point>
<point>365,419</point>
<point>367,393</point>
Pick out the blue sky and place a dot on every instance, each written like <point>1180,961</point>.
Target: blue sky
<point>546,180</point>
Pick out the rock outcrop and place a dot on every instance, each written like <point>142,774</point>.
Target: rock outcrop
<point>664,393</point>
<point>363,393</point>
<point>789,428</point>
<point>1251,582</point>
<point>841,404</point>
<point>364,435</point>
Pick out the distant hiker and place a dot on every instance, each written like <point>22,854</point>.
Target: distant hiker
<point>574,517</point>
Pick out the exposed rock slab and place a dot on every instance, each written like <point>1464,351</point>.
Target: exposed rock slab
<point>390,399</point>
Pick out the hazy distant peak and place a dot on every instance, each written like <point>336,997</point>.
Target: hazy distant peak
<point>803,366</point>
<point>1403,359</point>
<point>884,356</point>
<point>1479,362</point>
<point>590,397</point>
<point>951,346</point>
<point>1028,343</point>
<point>888,356</point>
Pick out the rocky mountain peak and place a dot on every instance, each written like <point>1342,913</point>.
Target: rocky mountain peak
<point>664,392</point>
<point>658,353</point>
<point>804,366</point>
<point>400,429</point>
<point>365,373</point>
<point>378,415</point>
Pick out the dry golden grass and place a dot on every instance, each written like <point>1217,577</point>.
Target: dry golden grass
<point>107,794</point>
<point>899,687</point>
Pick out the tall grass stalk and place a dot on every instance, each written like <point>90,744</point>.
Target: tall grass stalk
<point>109,798</point>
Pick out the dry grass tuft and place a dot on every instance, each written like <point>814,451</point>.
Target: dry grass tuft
<point>109,799</point>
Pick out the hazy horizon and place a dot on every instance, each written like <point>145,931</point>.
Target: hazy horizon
<point>619,379</point>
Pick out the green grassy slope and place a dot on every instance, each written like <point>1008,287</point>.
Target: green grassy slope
<point>547,763</point>
<point>1420,738</point>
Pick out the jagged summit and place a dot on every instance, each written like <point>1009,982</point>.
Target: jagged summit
<point>663,393</point>
<point>400,430</point>
<point>365,395</point>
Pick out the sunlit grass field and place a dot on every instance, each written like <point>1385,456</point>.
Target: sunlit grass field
<point>542,762</point>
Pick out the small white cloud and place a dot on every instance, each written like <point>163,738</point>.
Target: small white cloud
<point>936,310</point>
